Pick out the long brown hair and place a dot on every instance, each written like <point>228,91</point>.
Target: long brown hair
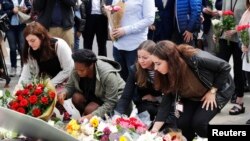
<point>248,3</point>
<point>173,55</point>
<point>141,74</point>
<point>47,47</point>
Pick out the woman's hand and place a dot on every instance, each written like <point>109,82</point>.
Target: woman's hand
<point>209,100</point>
<point>152,27</point>
<point>188,36</point>
<point>88,117</point>
<point>229,33</point>
<point>15,10</point>
<point>149,97</point>
<point>61,97</point>
<point>244,49</point>
<point>118,32</point>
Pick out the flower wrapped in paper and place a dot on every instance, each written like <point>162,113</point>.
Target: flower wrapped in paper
<point>36,99</point>
<point>244,36</point>
<point>115,14</point>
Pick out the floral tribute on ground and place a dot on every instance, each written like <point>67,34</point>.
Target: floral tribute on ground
<point>36,99</point>
<point>115,129</point>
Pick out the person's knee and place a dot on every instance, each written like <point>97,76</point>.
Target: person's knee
<point>91,107</point>
<point>78,99</point>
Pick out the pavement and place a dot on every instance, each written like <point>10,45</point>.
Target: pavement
<point>222,118</point>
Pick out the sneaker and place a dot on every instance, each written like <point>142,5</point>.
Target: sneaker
<point>12,72</point>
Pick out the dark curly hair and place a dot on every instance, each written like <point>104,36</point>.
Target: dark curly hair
<point>84,56</point>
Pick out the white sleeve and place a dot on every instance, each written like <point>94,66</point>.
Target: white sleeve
<point>67,64</point>
<point>31,67</point>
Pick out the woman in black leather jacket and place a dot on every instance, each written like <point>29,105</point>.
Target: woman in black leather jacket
<point>201,82</point>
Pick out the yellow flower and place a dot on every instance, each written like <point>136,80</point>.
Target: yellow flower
<point>72,128</point>
<point>75,134</point>
<point>94,121</point>
<point>122,138</point>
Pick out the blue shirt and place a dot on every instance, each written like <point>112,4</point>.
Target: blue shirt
<point>137,17</point>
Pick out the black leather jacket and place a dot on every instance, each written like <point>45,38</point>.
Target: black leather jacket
<point>213,72</point>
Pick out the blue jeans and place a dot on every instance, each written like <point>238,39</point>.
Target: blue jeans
<point>125,59</point>
<point>16,42</point>
<point>76,40</point>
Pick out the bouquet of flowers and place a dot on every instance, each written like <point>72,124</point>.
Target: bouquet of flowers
<point>228,21</point>
<point>244,36</point>
<point>36,99</point>
<point>133,124</point>
<point>115,14</point>
<point>217,28</point>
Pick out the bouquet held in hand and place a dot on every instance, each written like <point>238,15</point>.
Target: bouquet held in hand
<point>244,36</point>
<point>228,21</point>
<point>115,14</point>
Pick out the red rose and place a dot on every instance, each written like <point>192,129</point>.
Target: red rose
<point>44,100</point>
<point>38,91</point>
<point>14,105</point>
<point>24,103</point>
<point>19,92</point>
<point>40,86</point>
<point>33,99</point>
<point>26,92</point>
<point>36,112</point>
<point>21,110</point>
<point>228,12</point>
<point>51,94</point>
<point>20,98</point>
<point>29,86</point>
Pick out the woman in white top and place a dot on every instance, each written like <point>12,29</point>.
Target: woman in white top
<point>45,55</point>
<point>245,19</point>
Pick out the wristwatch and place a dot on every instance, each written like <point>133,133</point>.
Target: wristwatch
<point>213,90</point>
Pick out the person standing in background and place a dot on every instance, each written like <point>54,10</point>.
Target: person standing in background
<point>229,46</point>
<point>187,20</point>
<point>80,21</point>
<point>162,28</point>
<point>137,17</point>
<point>245,20</point>
<point>96,24</point>
<point>15,33</point>
<point>58,17</point>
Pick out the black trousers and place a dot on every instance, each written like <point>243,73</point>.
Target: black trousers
<point>225,52</point>
<point>194,119</point>
<point>96,25</point>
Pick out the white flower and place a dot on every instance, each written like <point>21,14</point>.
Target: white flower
<point>87,129</point>
<point>216,22</point>
<point>148,136</point>
<point>51,122</point>
<point>1,93</point>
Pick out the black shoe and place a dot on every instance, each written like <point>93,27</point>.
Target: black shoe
<point>7,82</point>
<point>248,121</point>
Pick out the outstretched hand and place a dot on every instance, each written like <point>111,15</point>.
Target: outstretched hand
<point>209,101</point>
